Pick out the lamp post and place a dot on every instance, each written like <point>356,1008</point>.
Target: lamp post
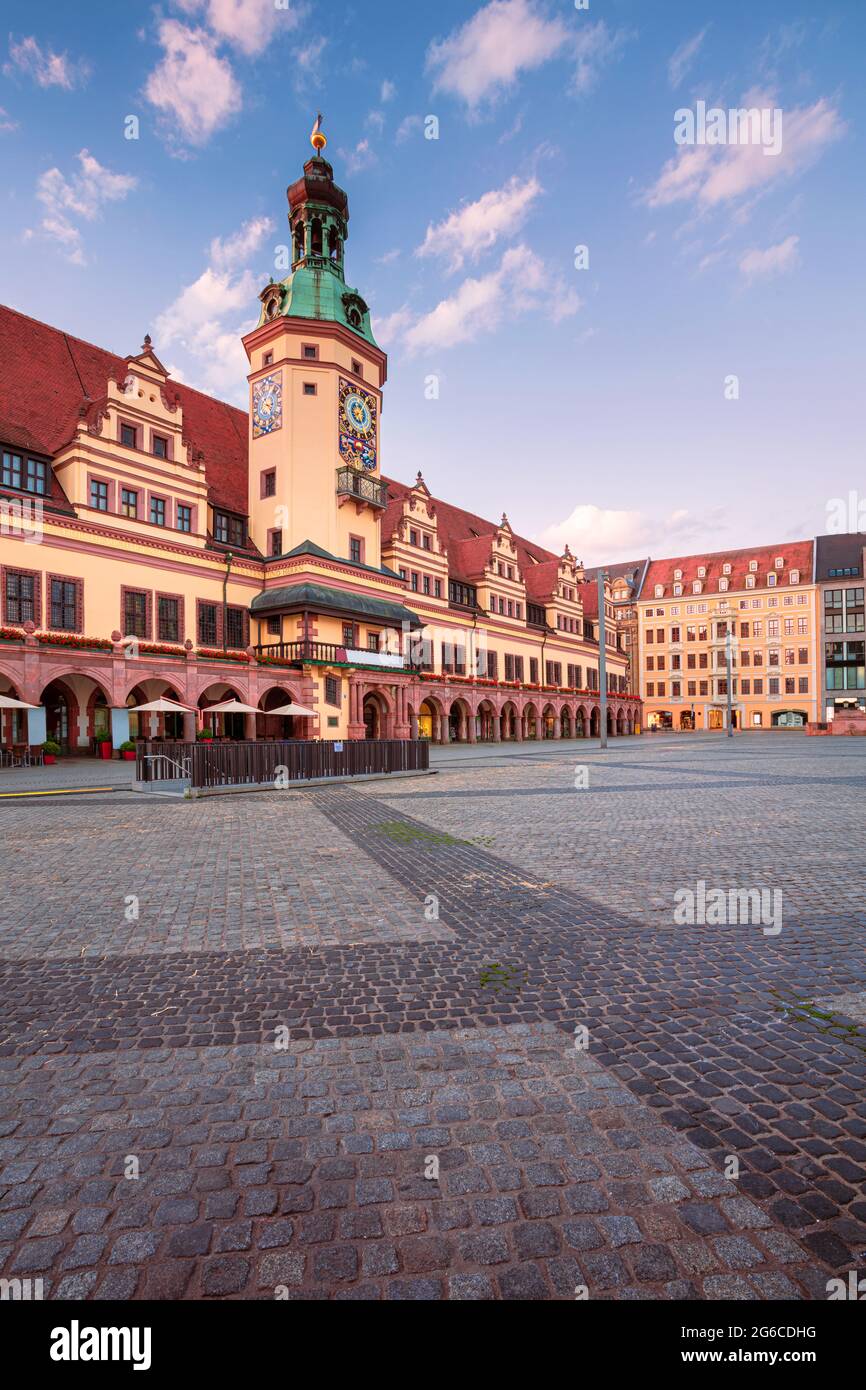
<point>602,656</point>
<point>730,682</point>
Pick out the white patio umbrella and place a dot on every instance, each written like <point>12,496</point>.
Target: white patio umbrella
<point>300,711</point>
<point>6,702</point>
<point>231,707</point>
<point>161,706</point>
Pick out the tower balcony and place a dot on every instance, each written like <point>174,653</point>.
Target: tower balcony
<point>354,485</point>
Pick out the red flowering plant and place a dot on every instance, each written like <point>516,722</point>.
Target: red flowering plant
<point>161,648</point>
<point>11,634</point>
<point>211,654</point>
<point>73,639</point>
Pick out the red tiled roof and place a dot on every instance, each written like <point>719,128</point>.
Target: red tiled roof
<point>47,377</point>
<point>797,555</point>
<point>455,526</point>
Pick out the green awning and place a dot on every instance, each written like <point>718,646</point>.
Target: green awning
<point>318,598</point>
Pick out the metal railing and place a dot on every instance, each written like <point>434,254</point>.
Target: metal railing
<point>263,763</point>
<point>353,482</point>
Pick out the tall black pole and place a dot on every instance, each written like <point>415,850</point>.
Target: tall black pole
<point>602,654</point>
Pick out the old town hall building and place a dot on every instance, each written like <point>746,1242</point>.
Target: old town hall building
<point>157,542</point>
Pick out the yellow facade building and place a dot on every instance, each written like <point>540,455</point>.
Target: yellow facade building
<point>762,604</point>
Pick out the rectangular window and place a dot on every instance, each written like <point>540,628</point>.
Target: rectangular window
<point>425,540</point>
<point>99,496</point>
<point>332,691</point>
<point>415,581</point>
<point>229,529</point>
<point>236,625</point>
<point>276,543</point>
<point>207,624</point>
<point>310,352</point>
<point>157,511</point>
<point>492,666</point>
<point>437,588</point>
<point>128,435</point>
<point>310,388</point>
<point>802,685</point>
<point>64,605</point>
<point>533,670</point>
<point>168,620</point>
<point>20,597</point>
<point>160,446</point>
<point>269,483</point>
<point>129,503</point>
<point>372,641</point>
<point>357,368</point>
<point>355,550</point>
<point>135,613</point>
<point>36,477</point>
<point>12,470</point>
<point>275,627</point>
<point>184,517</point>
<point>426,583</point>
<point>348,634</point>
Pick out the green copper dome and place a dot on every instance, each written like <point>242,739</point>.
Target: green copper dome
<point>316,288</point>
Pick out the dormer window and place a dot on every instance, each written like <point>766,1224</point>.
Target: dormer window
<point>678,589</point>
<point>697,586</point>
<point>702,571</point>
<point>723,586</point>
<point>678,574</point>
<point>753,566</point>
<point>726,569</point>
<point>660,591</point>
<point>750,581</point>
<point>771,579</point>
<point>780,562</point>
<point>794,576</point>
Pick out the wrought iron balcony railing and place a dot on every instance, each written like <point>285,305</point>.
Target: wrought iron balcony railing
<point>354,482</point>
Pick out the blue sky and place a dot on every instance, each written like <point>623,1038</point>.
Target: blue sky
<point>589,403</point>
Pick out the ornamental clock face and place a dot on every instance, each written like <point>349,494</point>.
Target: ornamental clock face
<point>357,426</point>
<point>267,404</point>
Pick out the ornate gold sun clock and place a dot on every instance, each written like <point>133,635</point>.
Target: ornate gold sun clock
<point>357,425</point>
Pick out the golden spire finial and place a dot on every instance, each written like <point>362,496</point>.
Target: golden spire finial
<point>318,139</point>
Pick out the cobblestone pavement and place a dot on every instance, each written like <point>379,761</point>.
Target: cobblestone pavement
<point>302,1173</point>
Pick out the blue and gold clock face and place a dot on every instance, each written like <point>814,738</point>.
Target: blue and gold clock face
<point>357,426</point>
<point>357,414</point>
<point>267,404</point>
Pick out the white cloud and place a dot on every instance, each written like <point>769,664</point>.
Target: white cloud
<point>361,157</point>
<point>484,58</point>
<point>232,251</point>
<point>81,196</point>
<point>6,121</point>
<point>602,534</point>
<point>521,282</point>
<point>476,227</point>
<point>774,260</point>
<point>192,84</point>
<point>208,317</point>
<point>594,48</point>
<point>710,175</point>
<point>407,128</point>
<point>388,92</point>
<point>376,121</point>
<point>682,59</point>
<point>247,25</point>
<point>388,257</point>
<point>48,69</point>
<point>391,327</point>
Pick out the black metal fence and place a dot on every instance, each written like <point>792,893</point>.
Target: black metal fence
<point>262,764</point>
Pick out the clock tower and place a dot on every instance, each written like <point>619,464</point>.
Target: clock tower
<point>316,378</point>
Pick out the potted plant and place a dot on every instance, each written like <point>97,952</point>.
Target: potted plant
<point>50,751</point>
<point>127,751</point>
<point>103,743</point>
<point>205,736</point>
